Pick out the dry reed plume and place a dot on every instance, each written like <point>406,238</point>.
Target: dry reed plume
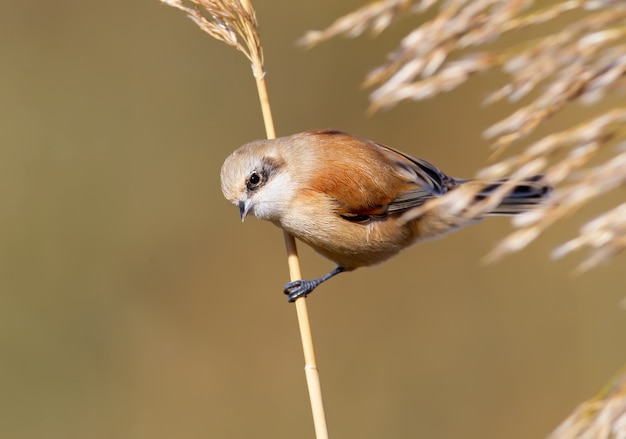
<point>231,22</point>
<point>583,61</point>
<point>601,417</point>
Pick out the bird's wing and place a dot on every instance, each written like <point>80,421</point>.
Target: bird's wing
<point>408,200</point>
<point>368,180</point>
<point>427,175</point>
<point>425,180</point>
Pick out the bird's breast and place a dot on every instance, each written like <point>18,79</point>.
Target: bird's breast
<point>314,219</point>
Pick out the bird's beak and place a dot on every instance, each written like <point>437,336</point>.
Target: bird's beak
<point>244,207</point>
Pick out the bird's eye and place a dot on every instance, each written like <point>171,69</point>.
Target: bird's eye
<point>253,181</point>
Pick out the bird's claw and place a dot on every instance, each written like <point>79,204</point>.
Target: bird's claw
<point>302,288</point>
<point>299,288</point>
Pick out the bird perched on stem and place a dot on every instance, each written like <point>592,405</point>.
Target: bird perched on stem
<point>353,200</point>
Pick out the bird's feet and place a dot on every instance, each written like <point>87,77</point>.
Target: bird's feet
<point>300,288</point>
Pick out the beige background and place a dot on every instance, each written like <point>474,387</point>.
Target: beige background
<point>134,304</point>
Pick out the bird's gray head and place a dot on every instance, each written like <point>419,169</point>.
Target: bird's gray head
<point>253,178</point>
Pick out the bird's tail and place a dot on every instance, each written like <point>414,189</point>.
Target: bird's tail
<point>523,197</point>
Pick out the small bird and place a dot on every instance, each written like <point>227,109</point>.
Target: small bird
<point>350,198</point>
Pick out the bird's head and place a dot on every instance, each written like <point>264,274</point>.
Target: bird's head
<point>254,178</point>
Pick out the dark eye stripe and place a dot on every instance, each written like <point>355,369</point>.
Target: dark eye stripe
<point>261,175</point>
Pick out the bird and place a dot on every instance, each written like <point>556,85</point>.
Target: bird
<point>354,201</point>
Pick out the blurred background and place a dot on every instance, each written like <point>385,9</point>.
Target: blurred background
<point>134,303</point>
